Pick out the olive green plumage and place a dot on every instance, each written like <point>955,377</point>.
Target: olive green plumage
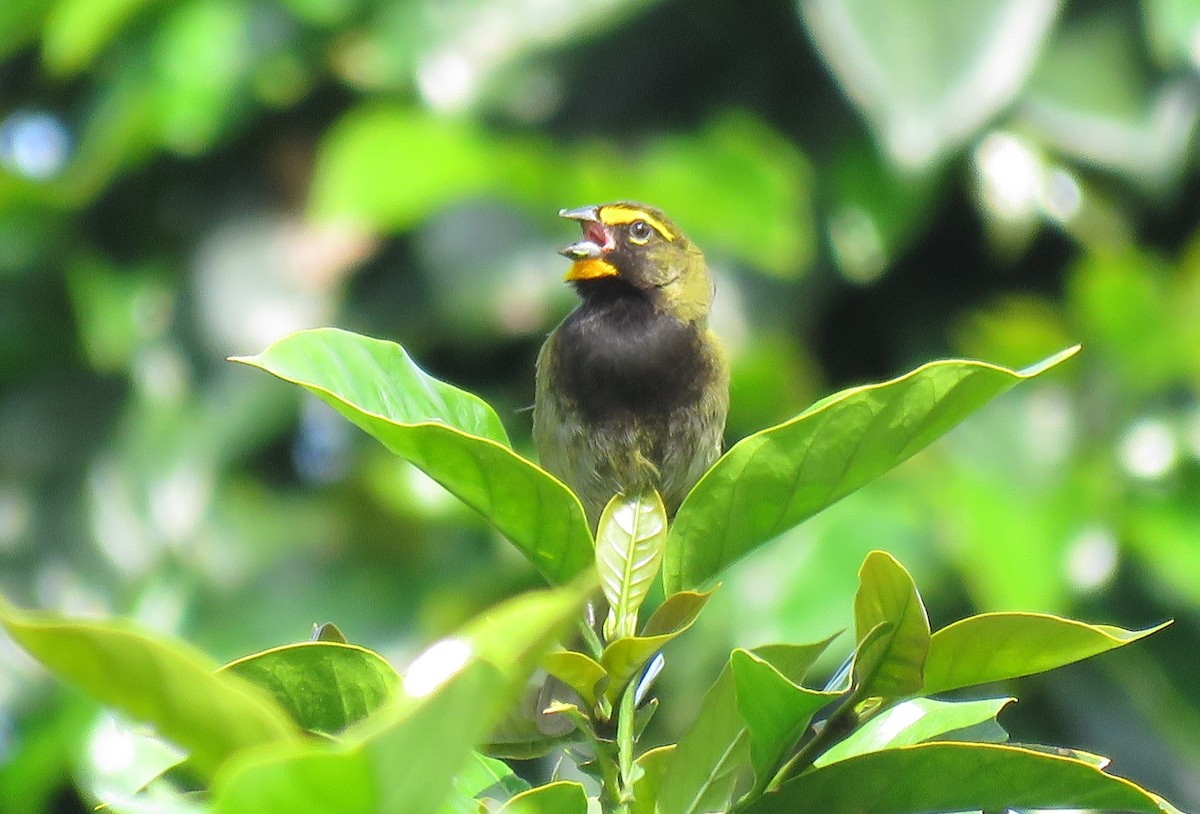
<point>632,387</point>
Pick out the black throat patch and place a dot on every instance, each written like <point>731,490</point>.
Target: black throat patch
<point>617,354</point>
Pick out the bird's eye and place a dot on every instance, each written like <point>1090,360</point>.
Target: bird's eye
<point>639,231</point>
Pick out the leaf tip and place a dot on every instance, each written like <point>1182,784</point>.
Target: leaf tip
<point>1038,368</point>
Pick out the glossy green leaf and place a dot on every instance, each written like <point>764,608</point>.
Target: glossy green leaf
<point>775,479</point>
<point>926,76</point>
<point>562,797</point>
<point>405,763</point>
<point>452,435</point>
<point>624,657</point>
<point>954,777</point>
<point>325,686</point>
<point>913,721</point>
<point>485,776</point>
<point>777,711</point>
<point>653,764</point>
<point>707,762</point>
<point>403,757</point>
<point>629,548</point>
<point>998,646</point>
<point>154,680</point>
<point>887,594</point>
<point>581,673</point>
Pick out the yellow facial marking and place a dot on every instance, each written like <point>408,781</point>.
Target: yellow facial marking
<point>616,215</point>
<point>590,269</point>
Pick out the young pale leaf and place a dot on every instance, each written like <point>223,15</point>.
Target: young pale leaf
<point>624,657</point>
<point>581,673</point>
<point>913,721</point>
<point>703,769</point>
<point>562,797</point>
<point>887,594</point>
<point>154,680</point>
<point>629,546</point>
<point>325,686</point>
<point>998,646</point>
<point>777,711</point>
<point>955,777</point>
<point>775,479</point>
<point>454,436</point>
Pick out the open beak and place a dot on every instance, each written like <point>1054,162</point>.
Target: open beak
<point>588,251</point>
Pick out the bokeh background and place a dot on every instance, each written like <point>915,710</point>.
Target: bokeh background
<point>876,184</point>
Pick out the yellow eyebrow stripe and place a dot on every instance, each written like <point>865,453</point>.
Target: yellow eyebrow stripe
<point>614,215</point>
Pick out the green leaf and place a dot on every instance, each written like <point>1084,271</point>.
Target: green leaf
<point>926,76</point>
<point>454,436</point>
<point>403,757</point>
<point>705,765</point>
<point>623,658</point>
<point>776,711</point>
<point>653,764</point>
<point>325,686</point>
<point>913,721</point>
<point>485,776</point>
<point>76,30</point>
<point>999,646</point>
<point>20,21</point>
<point>581,673</point>
<point>562,797</point>
<point>629,547</point>
<point>954,777</point>
<point>775,479</point>
<point>405,763</point>
<point>887,594</point>
<point>154,680</point>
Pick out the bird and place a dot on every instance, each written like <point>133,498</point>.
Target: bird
<point>632,387</point>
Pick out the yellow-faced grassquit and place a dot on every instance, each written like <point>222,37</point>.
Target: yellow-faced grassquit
<point>632,387</point>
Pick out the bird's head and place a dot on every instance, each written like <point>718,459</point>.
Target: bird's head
<point>636,248</point>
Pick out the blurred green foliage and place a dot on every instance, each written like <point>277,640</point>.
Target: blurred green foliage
<point>874,184</point>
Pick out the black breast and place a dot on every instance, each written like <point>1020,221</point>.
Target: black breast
<point>621,355</point>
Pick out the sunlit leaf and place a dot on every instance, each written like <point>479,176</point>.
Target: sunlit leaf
<point>403,757</point>
<point>579,672</point>
<point>998,646</point>
<point>563,796</point>
<point>157,681</point>
<point>454,436</point>
<point>77,30</point>
<point>484,776</point>
<point>913,721</point>
<point>629,548</point>
<point>924,76</point>
<point>624,657</point>
<point>653,764</point>
<point>893,665</point>
<point>405,765</point>
<point>955,777</point>
<point>777,478</point>
<point>777,711</point>
<point>325,686</point>
<point>705,766</point>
